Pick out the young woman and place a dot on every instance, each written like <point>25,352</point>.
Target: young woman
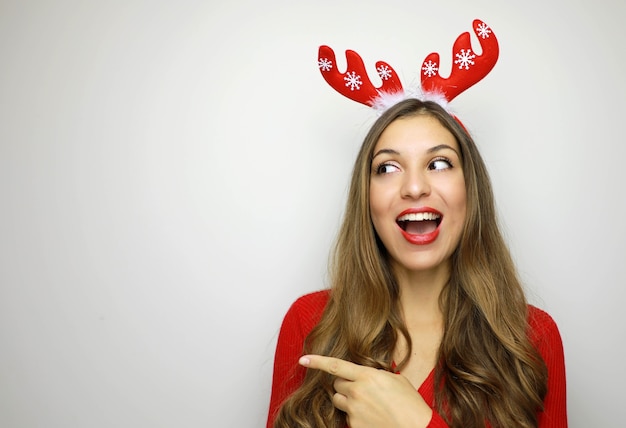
<point>425,323</point>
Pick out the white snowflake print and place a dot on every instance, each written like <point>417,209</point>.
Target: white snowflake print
<point>483,30</point>
<point>353,80</point>
<point>384,72</point>
<point>325,64</point>
<point>465,58</point>
<point>430,68</point>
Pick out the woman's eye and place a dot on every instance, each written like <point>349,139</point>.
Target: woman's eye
<point>440,164</point>
<point>386,168</point>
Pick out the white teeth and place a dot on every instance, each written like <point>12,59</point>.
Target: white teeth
<point>419,217</point>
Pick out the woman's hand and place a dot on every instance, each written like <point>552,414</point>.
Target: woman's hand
<point>372,398</point>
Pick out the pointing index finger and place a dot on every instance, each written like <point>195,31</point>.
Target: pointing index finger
<point>334,366</point>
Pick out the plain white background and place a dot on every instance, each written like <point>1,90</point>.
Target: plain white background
<point>172,175</point>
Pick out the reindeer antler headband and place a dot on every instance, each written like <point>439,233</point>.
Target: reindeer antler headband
<point>469,68</point>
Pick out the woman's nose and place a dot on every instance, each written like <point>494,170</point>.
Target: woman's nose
<point>415,185</point>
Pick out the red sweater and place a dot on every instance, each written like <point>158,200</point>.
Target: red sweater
<point>306,312</point>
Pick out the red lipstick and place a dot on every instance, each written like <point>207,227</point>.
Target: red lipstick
<point>419,214</point>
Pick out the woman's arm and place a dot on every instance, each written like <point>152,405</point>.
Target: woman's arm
<point>288,375</point>
<point>547,339</point>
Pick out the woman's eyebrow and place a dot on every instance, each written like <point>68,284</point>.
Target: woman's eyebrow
<point>442,147</point>
<point>430,150</point>
<point>386,151</point>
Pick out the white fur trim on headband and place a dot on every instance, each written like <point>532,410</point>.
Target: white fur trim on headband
<point>385,100</point>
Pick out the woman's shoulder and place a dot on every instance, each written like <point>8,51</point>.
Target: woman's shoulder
<point>540,321</point>
<point>312,301</point>
<point>306,310</point>
<point>543,330</point>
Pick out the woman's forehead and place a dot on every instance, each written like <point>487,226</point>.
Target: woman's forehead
<point>422,133</point>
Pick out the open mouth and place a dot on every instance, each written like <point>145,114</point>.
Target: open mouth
<point>419,223</point>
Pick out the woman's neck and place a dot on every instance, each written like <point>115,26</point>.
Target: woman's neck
<point>420,293</point>
<point>419,301</point>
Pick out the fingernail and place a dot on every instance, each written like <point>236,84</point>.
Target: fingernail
<point>304,361</point>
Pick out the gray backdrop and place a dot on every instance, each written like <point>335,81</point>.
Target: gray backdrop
<point>172,175</point>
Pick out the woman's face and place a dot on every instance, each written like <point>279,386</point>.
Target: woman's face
<point>417,193</point>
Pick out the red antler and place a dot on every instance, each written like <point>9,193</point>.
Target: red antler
<point>354,83</point>
<point>468,68</point>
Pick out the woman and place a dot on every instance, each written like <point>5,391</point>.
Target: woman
<point>425,323</point>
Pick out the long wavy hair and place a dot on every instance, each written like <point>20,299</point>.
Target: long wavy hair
<point>488,369</point>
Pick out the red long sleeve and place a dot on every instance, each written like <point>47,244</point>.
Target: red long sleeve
<point>300,319</point>
<point>546,337</point>
<point>306,312</point>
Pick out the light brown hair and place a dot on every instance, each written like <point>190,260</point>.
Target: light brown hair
<point>488,369</point>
